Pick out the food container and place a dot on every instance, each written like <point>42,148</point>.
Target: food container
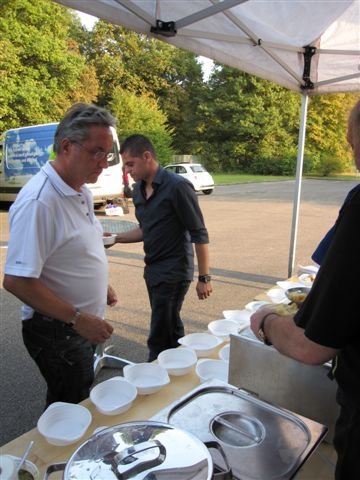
<point>9,465</point>
<point>224,352</point>
<point>177,361</point>
<point>203,344</point>
<point>208,369</point>
<point>113,396</point>
<point>64,423</point>
<point>222,328</point>
<point>297,294</point>
<point>109,239</point>
<point>139,450</point>
<point>147,377</point>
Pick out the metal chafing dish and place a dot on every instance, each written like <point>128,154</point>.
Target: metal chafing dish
<point>253,438</point>
<point>263,371</point>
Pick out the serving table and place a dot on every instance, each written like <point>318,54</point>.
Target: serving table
<point>143,408</point>
<point>319,466</point>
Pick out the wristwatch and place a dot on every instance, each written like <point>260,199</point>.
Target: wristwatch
<point>73,321</point>
<point>204,278</point>
<point>261,331</point>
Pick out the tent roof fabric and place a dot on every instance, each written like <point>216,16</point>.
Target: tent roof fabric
<point>309,46</point>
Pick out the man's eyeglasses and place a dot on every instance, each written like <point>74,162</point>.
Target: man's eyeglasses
<point>99,155</point>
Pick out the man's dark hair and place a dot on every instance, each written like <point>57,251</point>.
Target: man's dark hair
<point>77,121</point>
<point>136,145</point>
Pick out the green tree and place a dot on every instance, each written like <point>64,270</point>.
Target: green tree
<point>127,60</point>
<point>247,123</point>
<point>326,148</point>
<point>41,69</point>
<point>141,114</point>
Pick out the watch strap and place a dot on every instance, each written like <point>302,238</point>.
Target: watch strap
<point>204,278</point>
<point>74,319</point>
<point>261,331</point>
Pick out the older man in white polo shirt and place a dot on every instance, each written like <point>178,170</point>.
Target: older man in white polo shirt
<point>56,263</point>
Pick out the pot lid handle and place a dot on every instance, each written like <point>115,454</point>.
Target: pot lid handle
<point>137,458</point>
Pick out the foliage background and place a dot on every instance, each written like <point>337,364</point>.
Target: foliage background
<point>234,121</point>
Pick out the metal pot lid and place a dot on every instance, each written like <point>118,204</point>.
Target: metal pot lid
<point>141,450</point>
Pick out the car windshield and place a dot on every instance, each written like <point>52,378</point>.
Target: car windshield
<point>197,168</point>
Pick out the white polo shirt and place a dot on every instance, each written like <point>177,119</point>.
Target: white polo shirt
<point>55,237</point>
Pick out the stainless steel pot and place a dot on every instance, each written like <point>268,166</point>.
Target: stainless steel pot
<point>144,450</point>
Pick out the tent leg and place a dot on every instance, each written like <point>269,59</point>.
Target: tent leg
<point>297,193</point>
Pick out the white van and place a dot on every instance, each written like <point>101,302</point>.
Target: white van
<point>24,150</point>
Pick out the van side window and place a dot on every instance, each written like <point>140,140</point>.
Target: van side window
<point>180,169</point>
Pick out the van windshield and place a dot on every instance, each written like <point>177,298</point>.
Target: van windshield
<point>115,157</point>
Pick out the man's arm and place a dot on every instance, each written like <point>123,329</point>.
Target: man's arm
<point>132,236</point>
<point>34,293</point>
<point>203,290</point>
<point>289,339</point>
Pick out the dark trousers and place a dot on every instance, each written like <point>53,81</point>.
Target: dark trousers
<point>166,326</point>
<point>347,439</point>
<point>65,359</point>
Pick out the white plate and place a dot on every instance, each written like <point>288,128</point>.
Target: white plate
<point>308,269</point>
<point>286,284</point>
<point>253,306</point>
<point>147,377</point>
<point>208,369</point>
<point>223,328</point>
<point>64,423</point>
<point>177,361</point>
<point>109,239</point>
<point>224,352</point>
<point>202,343</point>
<point>113,396</point>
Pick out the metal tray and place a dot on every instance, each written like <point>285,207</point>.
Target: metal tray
<point>259,440</point>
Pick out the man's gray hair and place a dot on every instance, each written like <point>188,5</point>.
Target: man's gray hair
<point>77,121</point>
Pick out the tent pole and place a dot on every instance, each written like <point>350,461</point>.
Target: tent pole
<point>297,193</point>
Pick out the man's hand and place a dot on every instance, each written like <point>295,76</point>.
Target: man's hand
<point>111,296</point>
<point>203,290</point>
<point>93,328</point>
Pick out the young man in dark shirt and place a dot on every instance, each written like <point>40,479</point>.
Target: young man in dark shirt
<point>327,325</point>
<point>170,221</point>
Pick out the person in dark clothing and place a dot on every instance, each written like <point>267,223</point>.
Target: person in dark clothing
<point>321,249</point>
<point>170,221</point>
<point>327,324</point>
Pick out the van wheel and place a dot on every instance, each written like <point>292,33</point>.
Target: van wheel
<point>207,192</point>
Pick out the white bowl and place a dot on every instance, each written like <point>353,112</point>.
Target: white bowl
<point>9,464</point>
<point>147,377</point>
<point>109,239</point>
<point>256,305</point>
<point>207,369</point>
<point>177,361</point>
<point>242,317</point>
<point>113,396</point>
<point>64,423</point>
<point>223,328</point>
<point>203,343</point>
<point>224,352</point>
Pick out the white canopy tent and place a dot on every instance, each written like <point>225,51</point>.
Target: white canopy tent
<point>309,46</point>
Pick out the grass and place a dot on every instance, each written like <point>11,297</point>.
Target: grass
<point>234,178</point>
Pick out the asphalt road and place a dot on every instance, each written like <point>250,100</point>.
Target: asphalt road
<point>249,226</point>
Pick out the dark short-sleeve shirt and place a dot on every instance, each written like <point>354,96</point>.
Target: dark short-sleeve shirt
<point>331,314</point>
<point>171,220</point>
